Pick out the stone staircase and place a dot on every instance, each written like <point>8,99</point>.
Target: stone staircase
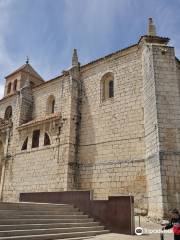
<point>36,221</point>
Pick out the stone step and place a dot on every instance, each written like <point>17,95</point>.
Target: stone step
<point>42,221</point>
<point>44,212</point>
<point>45,221</point>
<point>34,206</point>
<point>56,236</point>
<point>79,238</point>
<point>46,226</point>
<point>19,216</point>
<point>49,231</point>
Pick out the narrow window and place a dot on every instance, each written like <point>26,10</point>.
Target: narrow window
<point>35,138</point>
<point>111,89</point>
<point>46,140</point>
<point>15,85</point>
<point>8,113</point>
<point>107,86</point>
<point>51,104</point>
<point>9,88</point>
<point>24,146</point>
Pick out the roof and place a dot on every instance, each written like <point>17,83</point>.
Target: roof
<point>91,63</point>
<point>108,56</point>
<point>40,120</point>
<point>146,37</point>
<point>26,67</point>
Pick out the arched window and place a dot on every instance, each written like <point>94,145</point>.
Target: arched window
<point>24,146</point>
<point>107,86</point>
<point>51,104</point>
<point>46,140</point>
<point>8,113</point>
<point>35,138</point>
<point>111,88</point>
<point>15,85</point>
<point>9,88</point>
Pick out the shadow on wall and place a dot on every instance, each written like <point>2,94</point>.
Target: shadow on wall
<point>88,153</point>
<point>1,157</point>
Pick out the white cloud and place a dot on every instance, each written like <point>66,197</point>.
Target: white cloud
<point>5,10</point>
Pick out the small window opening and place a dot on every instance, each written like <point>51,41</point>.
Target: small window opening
<point>35,138</point>
<point>51,104</point>
<point>9,88</point>
<point>111,89</point>
<point>8,113</point>
<point>46,140</point>
<point>24,146</point>
<point>15,85</point>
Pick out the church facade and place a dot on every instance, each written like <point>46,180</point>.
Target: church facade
<point>111,126</point>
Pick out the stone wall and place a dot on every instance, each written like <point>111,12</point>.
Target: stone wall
<point>153,172</point>
<point>45,168</point>
<point>112,150</point>
<point>168,110</point>
<point>34,171</point>
<point>125,145</point>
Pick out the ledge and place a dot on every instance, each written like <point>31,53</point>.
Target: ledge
<point>39,121</point>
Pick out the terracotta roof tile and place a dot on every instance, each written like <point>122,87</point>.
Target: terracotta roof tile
<point>40,120</point>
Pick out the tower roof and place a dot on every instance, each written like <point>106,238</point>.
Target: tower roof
<point>25,68</point>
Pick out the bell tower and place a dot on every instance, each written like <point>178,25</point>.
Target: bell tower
<point>17,79</point>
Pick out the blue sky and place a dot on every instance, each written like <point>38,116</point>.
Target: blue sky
<point>48,30</point>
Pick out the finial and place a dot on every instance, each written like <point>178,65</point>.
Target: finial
<point>75,58</point>
<point>27,59</point>
<point>151,27</point>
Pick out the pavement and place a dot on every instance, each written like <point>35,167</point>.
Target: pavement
<point>151,232</point>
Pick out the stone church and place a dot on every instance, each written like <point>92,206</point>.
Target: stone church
<point>111,126</point>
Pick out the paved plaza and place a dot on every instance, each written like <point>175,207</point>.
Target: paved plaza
<point>146,225</point>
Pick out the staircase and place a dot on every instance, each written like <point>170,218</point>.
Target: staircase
<point>36,221</point>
